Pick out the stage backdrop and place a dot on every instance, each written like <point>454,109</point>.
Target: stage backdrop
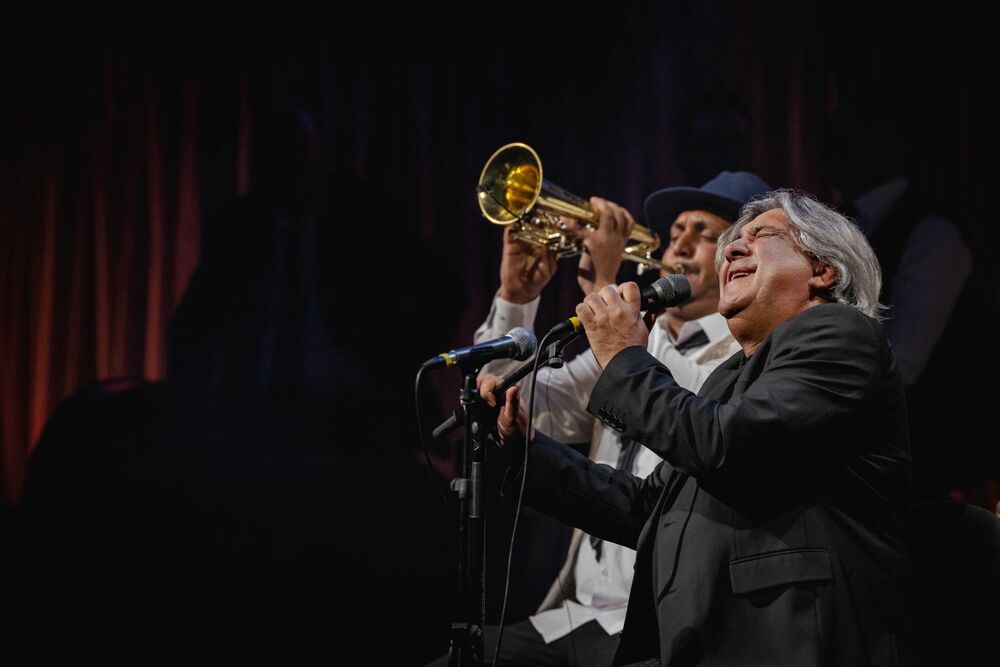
<point>124,133</point>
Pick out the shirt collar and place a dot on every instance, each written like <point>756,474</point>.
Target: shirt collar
<point>714,325</point>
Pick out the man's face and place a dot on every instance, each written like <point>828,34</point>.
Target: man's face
<point>764,276</point>
<point>693,240</point>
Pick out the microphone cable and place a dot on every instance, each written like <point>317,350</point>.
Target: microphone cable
<point>520,495</point>
<point>435,478</point>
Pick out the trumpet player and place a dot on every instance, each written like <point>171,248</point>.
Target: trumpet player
<point>581,618</point>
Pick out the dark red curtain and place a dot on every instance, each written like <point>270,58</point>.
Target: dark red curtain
<point>125,131</point>
<point>101,199</point>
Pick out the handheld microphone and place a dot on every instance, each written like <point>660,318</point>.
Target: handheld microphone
<point>665,292</point>
<point>518,343</point>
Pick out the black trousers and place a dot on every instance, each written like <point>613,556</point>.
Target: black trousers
<point>587,646</point>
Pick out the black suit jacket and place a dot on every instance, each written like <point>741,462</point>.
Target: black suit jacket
<point>772,532</point>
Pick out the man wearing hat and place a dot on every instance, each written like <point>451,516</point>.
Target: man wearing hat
<point>691,340</point>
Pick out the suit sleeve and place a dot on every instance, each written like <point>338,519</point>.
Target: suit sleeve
<point>601,500</point>
<point>821,366</point>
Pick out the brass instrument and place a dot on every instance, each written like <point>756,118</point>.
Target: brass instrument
<point>671,268</point>
<point>512,191</point>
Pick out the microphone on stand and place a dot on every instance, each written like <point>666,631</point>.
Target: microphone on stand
<point>518,343</point>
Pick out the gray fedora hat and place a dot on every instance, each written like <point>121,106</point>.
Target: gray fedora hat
<point>723,195</point>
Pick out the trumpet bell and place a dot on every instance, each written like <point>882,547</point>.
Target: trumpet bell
<point>512,190</point>
<point>510,184</point>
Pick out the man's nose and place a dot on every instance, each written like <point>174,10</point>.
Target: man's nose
<point>737,248</point>
<point>684,245</point>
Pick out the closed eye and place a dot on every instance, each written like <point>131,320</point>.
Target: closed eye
<point>766,231</point>
<point>699,226</point>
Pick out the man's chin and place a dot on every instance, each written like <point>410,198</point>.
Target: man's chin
<point>729,310</point>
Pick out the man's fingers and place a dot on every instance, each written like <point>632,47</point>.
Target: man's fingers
<point>629,222</point>
<point>507,420</point>
<point>486,384</point>
<point>522,419</point>
<point>595,305</point>
<point>630,293</point>
<point>592,308</point>
<point>575,226</point>
<point>511,395</point>
<point>513,246</point>
<point>649,319</point>
<point>550,261</point>
<point>609,296</point>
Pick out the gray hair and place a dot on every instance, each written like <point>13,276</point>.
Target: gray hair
<point>826,235</point>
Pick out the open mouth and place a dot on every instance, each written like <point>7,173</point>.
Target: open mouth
<point>737,273</point>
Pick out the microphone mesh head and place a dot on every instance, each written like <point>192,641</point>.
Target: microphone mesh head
<point>673,290</point>
<point>525,341</point>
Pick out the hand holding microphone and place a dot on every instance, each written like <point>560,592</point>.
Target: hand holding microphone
<point>665,292</point>
<point>613,319</point>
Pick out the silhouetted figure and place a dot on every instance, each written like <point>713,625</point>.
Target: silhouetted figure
<point>933,319</point>
<point>297,290</point>
<point>269,493</point>
<point>249,321</point>
<point>924,257</point>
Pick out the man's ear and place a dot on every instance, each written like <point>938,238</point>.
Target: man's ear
<point>824,277</point>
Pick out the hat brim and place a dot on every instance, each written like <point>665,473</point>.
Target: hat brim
<point>663,206</point>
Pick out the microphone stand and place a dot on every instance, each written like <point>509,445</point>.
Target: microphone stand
<point>466,641</point>
<point>467,634</point>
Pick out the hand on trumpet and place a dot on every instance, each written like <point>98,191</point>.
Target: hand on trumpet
<point>603,247</point>
<point>525,269</point>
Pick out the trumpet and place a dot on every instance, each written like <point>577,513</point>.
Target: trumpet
<point>512,191</point>
<point>671,268</point>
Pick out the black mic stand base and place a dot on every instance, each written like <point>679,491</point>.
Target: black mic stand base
<point>466,645</point>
